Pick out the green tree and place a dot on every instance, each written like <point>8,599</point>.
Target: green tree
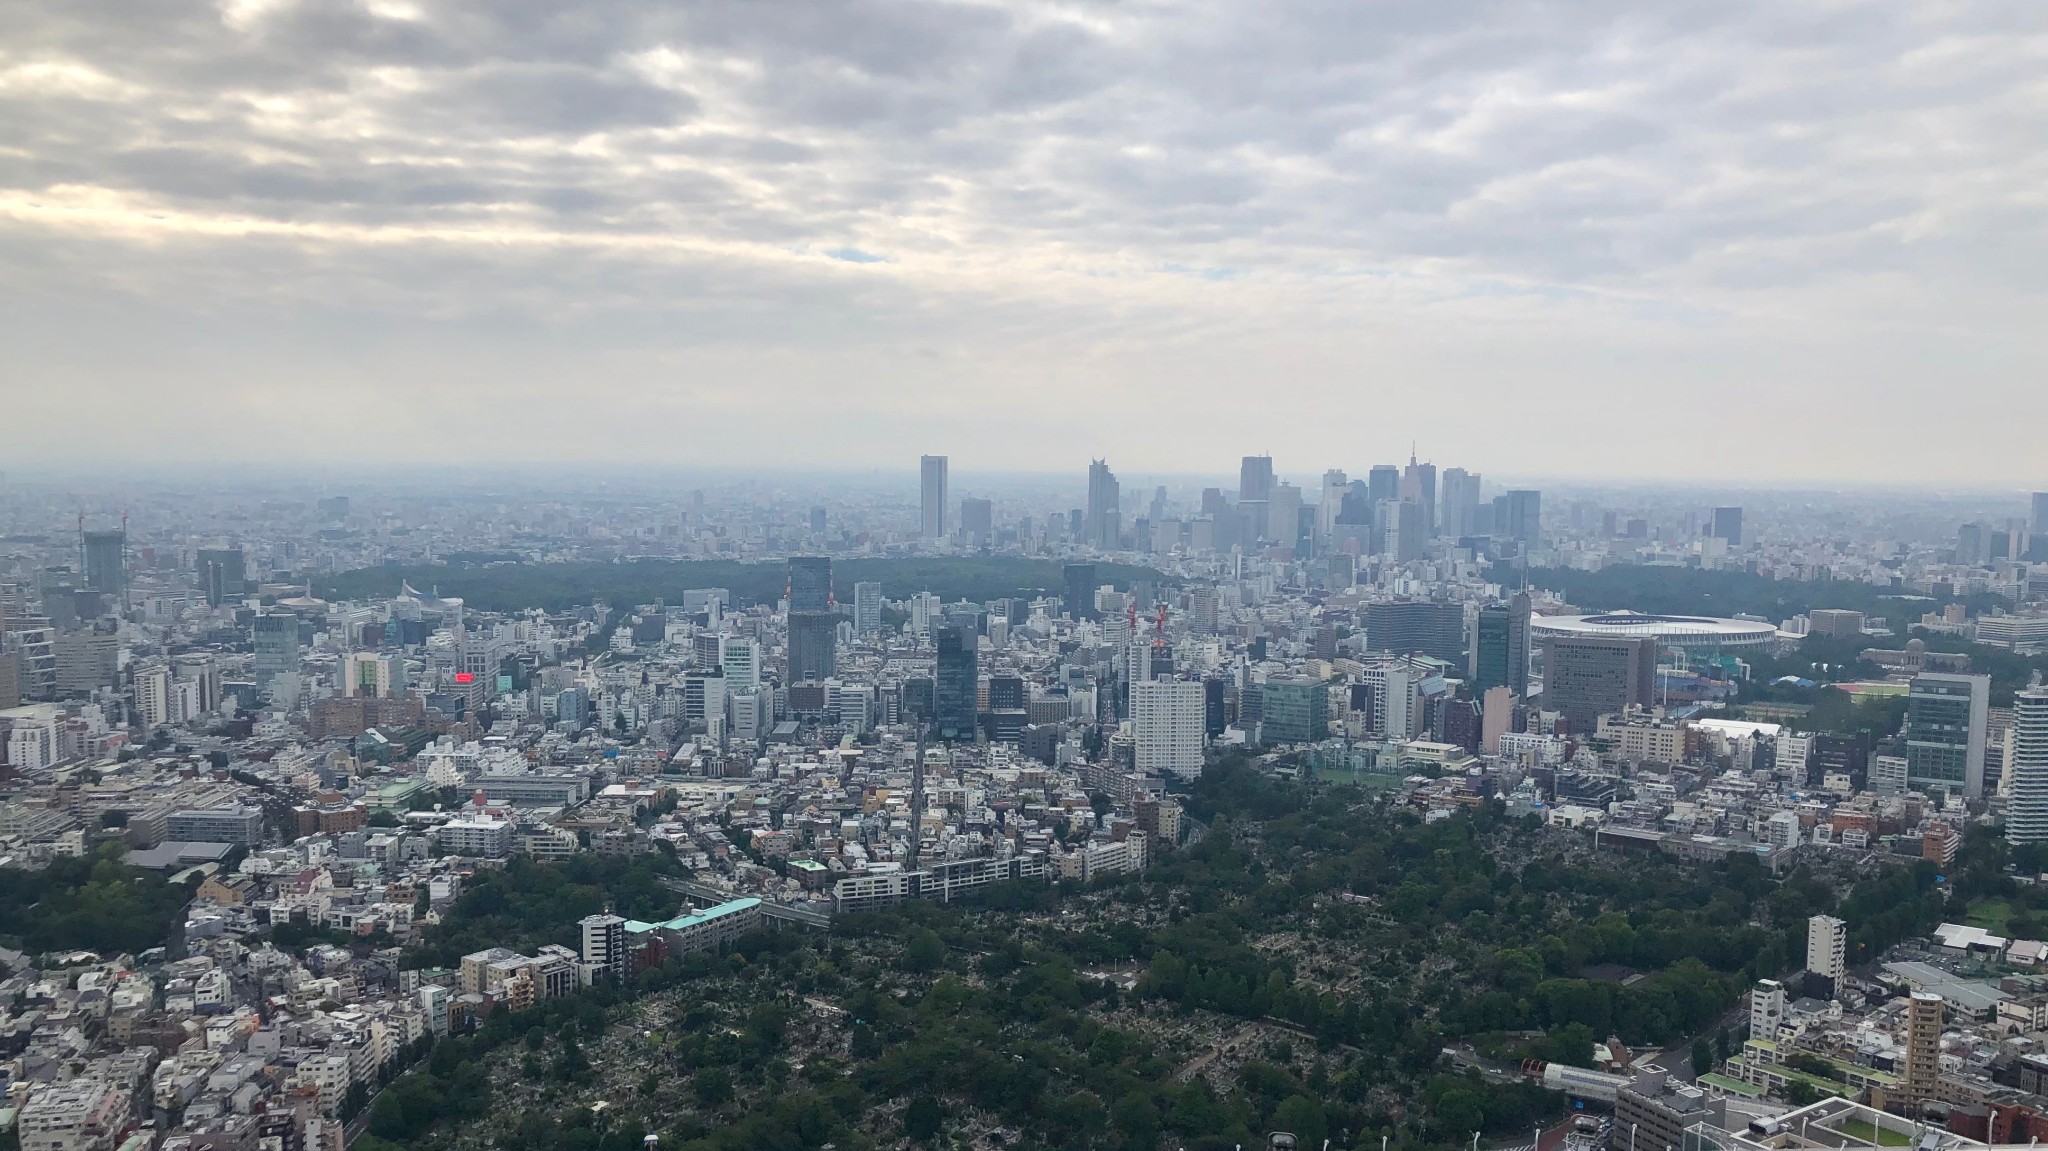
<point>922,1118</point>
<point>1304,1118</point>
<point>713,1087</point>
<point>1702,1056</point>
<point>924,951</point>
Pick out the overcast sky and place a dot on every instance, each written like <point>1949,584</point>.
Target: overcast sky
<point>1751,239</point>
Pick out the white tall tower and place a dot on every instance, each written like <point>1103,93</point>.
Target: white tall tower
<point>1168,717</point>
<point>1827,941</point>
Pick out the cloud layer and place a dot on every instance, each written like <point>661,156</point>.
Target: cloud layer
<point>1548,238</point>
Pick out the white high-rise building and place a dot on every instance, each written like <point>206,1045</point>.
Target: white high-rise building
<point>1827,943</point>
<point>741,659</point>
<point>153,695</point>
<point>604,942</point>
<point>1168,716</point>
<point>924,611</point>
<point>867,607</point>
<point>2026,808</point>
<point>1766,1009</point>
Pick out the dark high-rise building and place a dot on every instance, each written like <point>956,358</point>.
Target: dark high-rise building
<point>977,520</point>
<point>1294,709</point>
<point>1213,712</point>
<point>931,496</point>
<point>813,645</point>
<point>810,583</point>
<point>1080,591</point>
<point>1105,507</point>
<point>956,681</point>
<point>1407,626</point>
<point>277,647</point>
<point>1727,525</point>
<point>1255,479</point>
<point>1500,647</point>
<point>223,573</point>
<point>105,561</point>
<point>1006,693</point>
<point>1383,482</point>
<point>1586,677</point>
<point>1460,499</point>
<point>1522,516</point>
<point>918,700</point>
<point>817,521</point>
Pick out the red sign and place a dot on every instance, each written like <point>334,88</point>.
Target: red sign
<point>464,677</point>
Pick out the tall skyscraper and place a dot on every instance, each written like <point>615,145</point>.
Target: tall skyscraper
<point>2038,522</point>
<point>1524,516</point>
<point>867,607</point>
<point>1460,498</point>
<point>1586,677</point>
<point>977,520</point>
<point>1080,591</point>
<point>955,685</point>
<point>2026,809</point>
<point>1383,482</point>
<point>1827,945</point>
<point>1283,515</point>
<point>1947,726</point>
<point>1500,646</point>
<point>1416,626</point>
<point>1255,478</point>
<point>1169,717</point>
<point>931,498</point>
<point>1105,507</point>
<point>106,554</point>
<point>277,647</point>
<point>810,583</point>
<point>1924,1017</point>
<point>813,645</point>
<point>1331,503</point>
<point>223,574</point>
<point>1727,525</point>
<point>1418,484</point>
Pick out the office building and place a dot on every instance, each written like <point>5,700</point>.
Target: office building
<point>1827,947</point>
<point>977,521</point>
<point>1458,502</point>
<point>931,497</point>
<point>1255,479</point>
<point>1170,717</point>
<point>1080,597</point>
<point>1418,486</point>
<point>1383,482</point>
<point>740,658</point>
<point>1104,525</point>
<point>1829,621</point>
<point>1585,677</point>
<point>1294,709</point>
<point>810,584</point>
<point>813,643</point>
<point>1519,516</point>
<point>223,575</point>
<point>2026,809</point>
<point>87,658</point>
<point>238,825</point>
<point>2037,523</point>
<point>277,647</point>
<point>867,607</point>
<point>1410,626</point>
<point>78,1115</point>
<point>1947,722</point>
<point>1654,1111</point>
<point>1500,646</point>
<point>369,673</point>
<point>955,683</point>
<point>106,556</point>
<point>1727,525</point>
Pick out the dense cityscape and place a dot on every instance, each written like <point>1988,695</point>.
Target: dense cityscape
<point>370,817</point>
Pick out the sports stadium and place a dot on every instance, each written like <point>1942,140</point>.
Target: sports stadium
<point>1691,633</point>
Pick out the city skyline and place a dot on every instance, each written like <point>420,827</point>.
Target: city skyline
<point>1619,230</point>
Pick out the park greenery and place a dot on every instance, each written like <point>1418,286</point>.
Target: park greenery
<point>90,903</point>
<point>505,585</point>
<point>1348,940</point>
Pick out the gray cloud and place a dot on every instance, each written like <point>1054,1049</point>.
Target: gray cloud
<point>1357,209</point>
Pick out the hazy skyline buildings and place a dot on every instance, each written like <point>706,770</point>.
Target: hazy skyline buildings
<point>931,472</point>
